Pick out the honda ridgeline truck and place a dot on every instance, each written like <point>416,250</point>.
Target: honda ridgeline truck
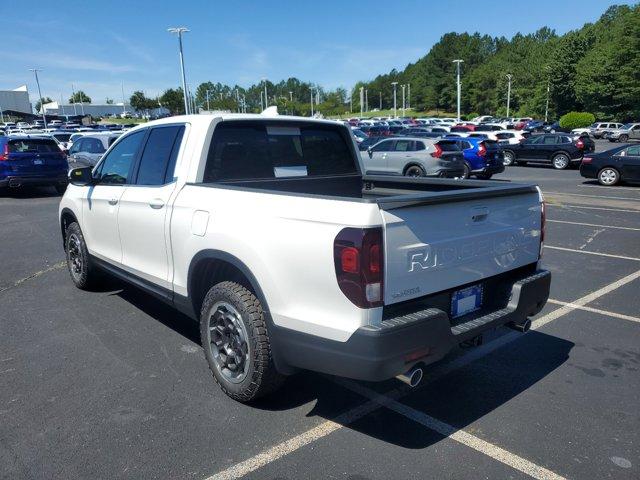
<point>265,230</point>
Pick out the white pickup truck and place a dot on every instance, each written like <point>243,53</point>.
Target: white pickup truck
<point>265,231</point>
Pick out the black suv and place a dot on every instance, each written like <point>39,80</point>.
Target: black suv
<point>560,150</point>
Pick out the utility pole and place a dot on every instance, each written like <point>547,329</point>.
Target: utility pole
<point>208,106</point>
<point>73,100</point>
<point>124,110</point>
<point>44,118</point>
<point>403,102</point>
<point>395,110</point>
<point>380,100</point>
<point>350,101</point>
<point>366,100</point>
<point>509,76</point>
<point>311,90</point>
<point>179,31</point>
<point>409,96</point>
<point>361,101</point>
<point>458,62</point>
<point>266,99</point>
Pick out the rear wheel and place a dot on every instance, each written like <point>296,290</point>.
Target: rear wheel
<point>608,176</point>
<point>236,342</point>
<point>509,158</point>
<point>560,161</point>
<point>624,138</point>
<point>467,171</point>
<point>414,171</point>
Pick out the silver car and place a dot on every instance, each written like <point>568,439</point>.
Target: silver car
<point>87,150</point>
<point>628,131</point>
<point>415,157</point>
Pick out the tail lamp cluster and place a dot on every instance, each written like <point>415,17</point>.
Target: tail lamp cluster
<point>358,258</point>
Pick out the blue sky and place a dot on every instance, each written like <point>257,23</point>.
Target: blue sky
<point>96,45</point>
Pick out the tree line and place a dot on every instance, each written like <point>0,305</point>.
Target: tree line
<point>594,69</point>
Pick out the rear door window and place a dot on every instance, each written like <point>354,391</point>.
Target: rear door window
<point>403,146</point>
<point>550,140</point>
<point>157,163</point>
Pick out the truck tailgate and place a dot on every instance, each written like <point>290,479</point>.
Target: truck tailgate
<point>434,245</point>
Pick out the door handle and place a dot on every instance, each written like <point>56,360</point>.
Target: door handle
<point>113,201</point>
<point>156,203</point>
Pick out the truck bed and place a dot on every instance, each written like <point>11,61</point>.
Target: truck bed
<point>388,192</point>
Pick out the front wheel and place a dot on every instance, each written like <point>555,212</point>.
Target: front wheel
<point>608,176</point>
<point>83,273</point>
<point>560,161</point>
<point>509,158</point>
<point>414,171</point>
<point>236,342</point>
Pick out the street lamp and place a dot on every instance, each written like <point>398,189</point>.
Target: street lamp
<point>361,101</point>
<point>44,118</point>
<point>179,31</point>
<point>458,62</point>
<point>395,112</point>
<point>207,95</point>
<point>509,76</point>
<point>366,100</point>
<point>546,108</point>
<point>266,101</point>
<point>403,105</point>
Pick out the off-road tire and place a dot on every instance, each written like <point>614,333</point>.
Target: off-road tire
<point>86,275</point>
<point>261,376</point>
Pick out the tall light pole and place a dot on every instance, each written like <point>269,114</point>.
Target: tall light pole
<point>361,101</point>
<point>380,100</point>
<point>395,110</point>
<point>546,108</point>
<point>266,101</point>
<point>61,105</point>
<point>409,96</point>
<point>458,62</point>
<point>73,100</point>
<point>44,118</point>
<point>366,100</point>
<point>179,31</point>
<point>509,76</point>
<point>403,87</point>
<point>311,90</point>
<point>208,106</point>
<point>124,110</point>
<point>290,96</point>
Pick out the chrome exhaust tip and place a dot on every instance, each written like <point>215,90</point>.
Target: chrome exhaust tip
<point>522,327</point>
<point>412,378</point>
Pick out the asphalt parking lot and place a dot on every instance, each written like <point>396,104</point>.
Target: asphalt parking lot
<point>112,384</point>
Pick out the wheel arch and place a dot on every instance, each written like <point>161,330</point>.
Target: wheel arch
<point>559,152</point>
<point>67,217</point>
<point>209,267</point>
<point>412,163</point>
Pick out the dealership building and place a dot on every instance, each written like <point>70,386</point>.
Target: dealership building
<point>93,109</point>
<point>16,100</point>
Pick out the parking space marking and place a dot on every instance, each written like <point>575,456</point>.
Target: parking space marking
<point>596,310</point>
<point>618,187</point>
<point>33,275</point>
<point>493,451</point>
<point>565,205</point>
<point>594,225</point>
<point>622,257</point>
<point>589,196</point>
<point>582,301</point>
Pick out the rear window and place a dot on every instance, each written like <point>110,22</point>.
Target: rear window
<point>249,150</point>
<point>446,146</point>
<point>33,145</point>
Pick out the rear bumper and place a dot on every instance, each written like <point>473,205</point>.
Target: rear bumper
<point>490,169</point>
<point>380,353</point>
<point>588,170</point>
<point>34,180</point>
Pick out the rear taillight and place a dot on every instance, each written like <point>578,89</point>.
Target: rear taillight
<point>438,151</point>
<point>580,144</point>
<point>543,221</point>
<point>482,150</point>
<point>4,156</point>
<point>587,159</point>
<point>358,259</point>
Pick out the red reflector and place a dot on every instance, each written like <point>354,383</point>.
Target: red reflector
<point>482,150</point>
<point>587,159</point>
<point>374,258</point>
<point>349,259</point>
<point>580,144</point>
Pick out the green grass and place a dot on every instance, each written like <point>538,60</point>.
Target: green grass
<point>123,120</point>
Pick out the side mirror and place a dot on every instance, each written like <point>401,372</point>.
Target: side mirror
<point>81,177</point>
<point>370,152</point>
<point>623,153</point>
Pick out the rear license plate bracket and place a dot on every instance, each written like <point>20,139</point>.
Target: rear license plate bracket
<point>466,300</point>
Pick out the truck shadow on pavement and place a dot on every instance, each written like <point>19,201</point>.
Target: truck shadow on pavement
<point>459,398</point>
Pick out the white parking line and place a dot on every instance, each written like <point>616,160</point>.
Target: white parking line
<point>55,266</point>
<point>290,445</point>
<point>594,225</point>
<point>592,253</point>
<point>618,187</point>
<point>460,436</point>
<point>591,196</point>
<point>596,310</point>
<point>565,205</point>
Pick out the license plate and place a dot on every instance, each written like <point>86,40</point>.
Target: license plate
<point>466,300</point>
<point>38,162</point>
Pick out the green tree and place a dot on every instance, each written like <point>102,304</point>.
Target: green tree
<point>139,102</point>
<point>173,99</point>
<point>109,101</point>
<point>79,97</point>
